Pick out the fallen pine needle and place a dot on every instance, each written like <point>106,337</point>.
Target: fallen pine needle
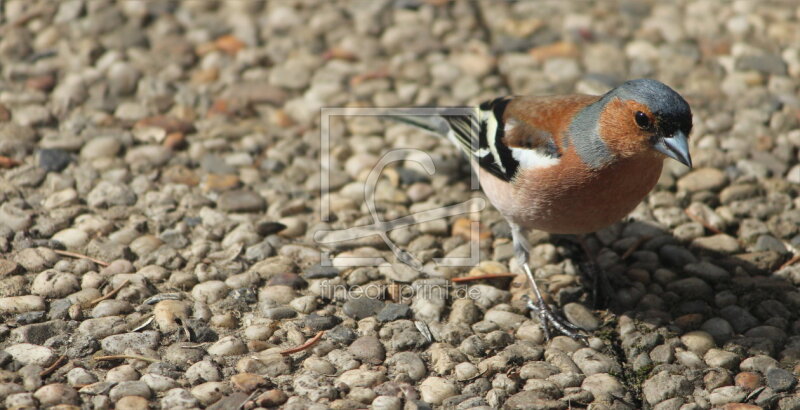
<point>126,356</point>
<point>6,162</point>
<point>634,247</point>
<point>483,277</point>
<point>306,345</point>
<point>702,221</point>
<point>790,262</point>
<point>109,295</point>
<point>53,367</point>
<point>80,256</point>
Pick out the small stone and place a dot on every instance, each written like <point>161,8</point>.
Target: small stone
<point>179,398</point>
<point>122,373</point>
<point>247,382</point>
<point>698,342</point>
<point>749,381</point>
<point>117,344</point>
<point>435,390</point>
<point>740,319</point>
<point>407,363</point>
<point>387,403</point>
<point>272,398</point>
<point>21,304</point>
<point>368,349</point>
<point>132,403</point>
<point>361,378</point>
<point>720,243</point>
<point>241,201</point>
<point>580,316</point>
<point>203,371</point>
<point>665,386</point>
<point>227,346</point>
<point>720,358</point>
<point>393,311</point>
<point>603,386</point>
<point>30,354</point>
<point>780,380</point>
<point>691,288</point>
<point>53,159</point>
<point>726,394</point>
<point>363,307</point>
<point>702,179</point>
<point>56,393</point>
<point>130,388</point>
<point>592,362</point>
<point>79,376</point>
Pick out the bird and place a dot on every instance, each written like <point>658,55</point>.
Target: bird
<point>567,164</point>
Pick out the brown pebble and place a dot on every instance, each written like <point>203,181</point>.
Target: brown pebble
<point>247,382</point>
<point>5,113</point>
<point>271,398</point>
<point>748,380</point>
<point>689,321</point>
<point>216,182</point>
<point>287,279</point>
<point>229,44</point>
<point>41,82</point>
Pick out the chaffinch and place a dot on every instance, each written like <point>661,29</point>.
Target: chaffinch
<point>569,164</point>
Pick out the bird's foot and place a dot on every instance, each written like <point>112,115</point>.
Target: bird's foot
<point>548,317</point>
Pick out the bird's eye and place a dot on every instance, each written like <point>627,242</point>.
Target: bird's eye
<point>642,120</point>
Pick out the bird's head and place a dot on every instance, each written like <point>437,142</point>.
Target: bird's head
<point>646,116</point>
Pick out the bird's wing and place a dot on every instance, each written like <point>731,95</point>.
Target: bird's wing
<point>510,133</point>
<point>507,134</point>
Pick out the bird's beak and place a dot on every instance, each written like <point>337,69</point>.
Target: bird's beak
<point>675,146</point>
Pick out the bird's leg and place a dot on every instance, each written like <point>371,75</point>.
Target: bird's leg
<point>546,316</point>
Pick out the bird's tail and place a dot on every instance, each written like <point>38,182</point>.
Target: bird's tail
<point>433,123</point>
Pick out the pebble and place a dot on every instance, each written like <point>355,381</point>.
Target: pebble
<point>780,380</point>
<point>368,349</point>
<point>393,311</point>
<point>360,308</point>
<point>179,398</point>
<point>407,364</point>
<point>118,344</point>
<point>702,179</point>
<point>55,394</point>
<point>435,390</point>
<point>241,201</point>
<point>665,386</point>
<point>580,316</point>
<point>698,342</point>
<point>30,354</point>
<point>21,304</point>
<point>129,388</point>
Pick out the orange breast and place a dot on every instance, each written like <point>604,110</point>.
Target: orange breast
<point>570,199</point>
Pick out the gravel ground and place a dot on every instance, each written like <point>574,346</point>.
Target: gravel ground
<point>176,146</point>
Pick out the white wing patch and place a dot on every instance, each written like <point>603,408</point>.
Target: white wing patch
<point>491,135</point>
<point>529,158</point>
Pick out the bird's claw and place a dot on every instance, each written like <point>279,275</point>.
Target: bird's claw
<point>548,317</point>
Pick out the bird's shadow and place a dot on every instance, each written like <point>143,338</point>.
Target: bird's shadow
<point>672,287</point>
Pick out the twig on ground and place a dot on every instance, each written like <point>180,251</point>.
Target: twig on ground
<point>483,277</point>
<point>628,252</point>
<point>80,256</point>
<point>790,262</point>
<point>126,356</point>
<point>58,363</point>
<point>306,345</point>
<point>109,295</point>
